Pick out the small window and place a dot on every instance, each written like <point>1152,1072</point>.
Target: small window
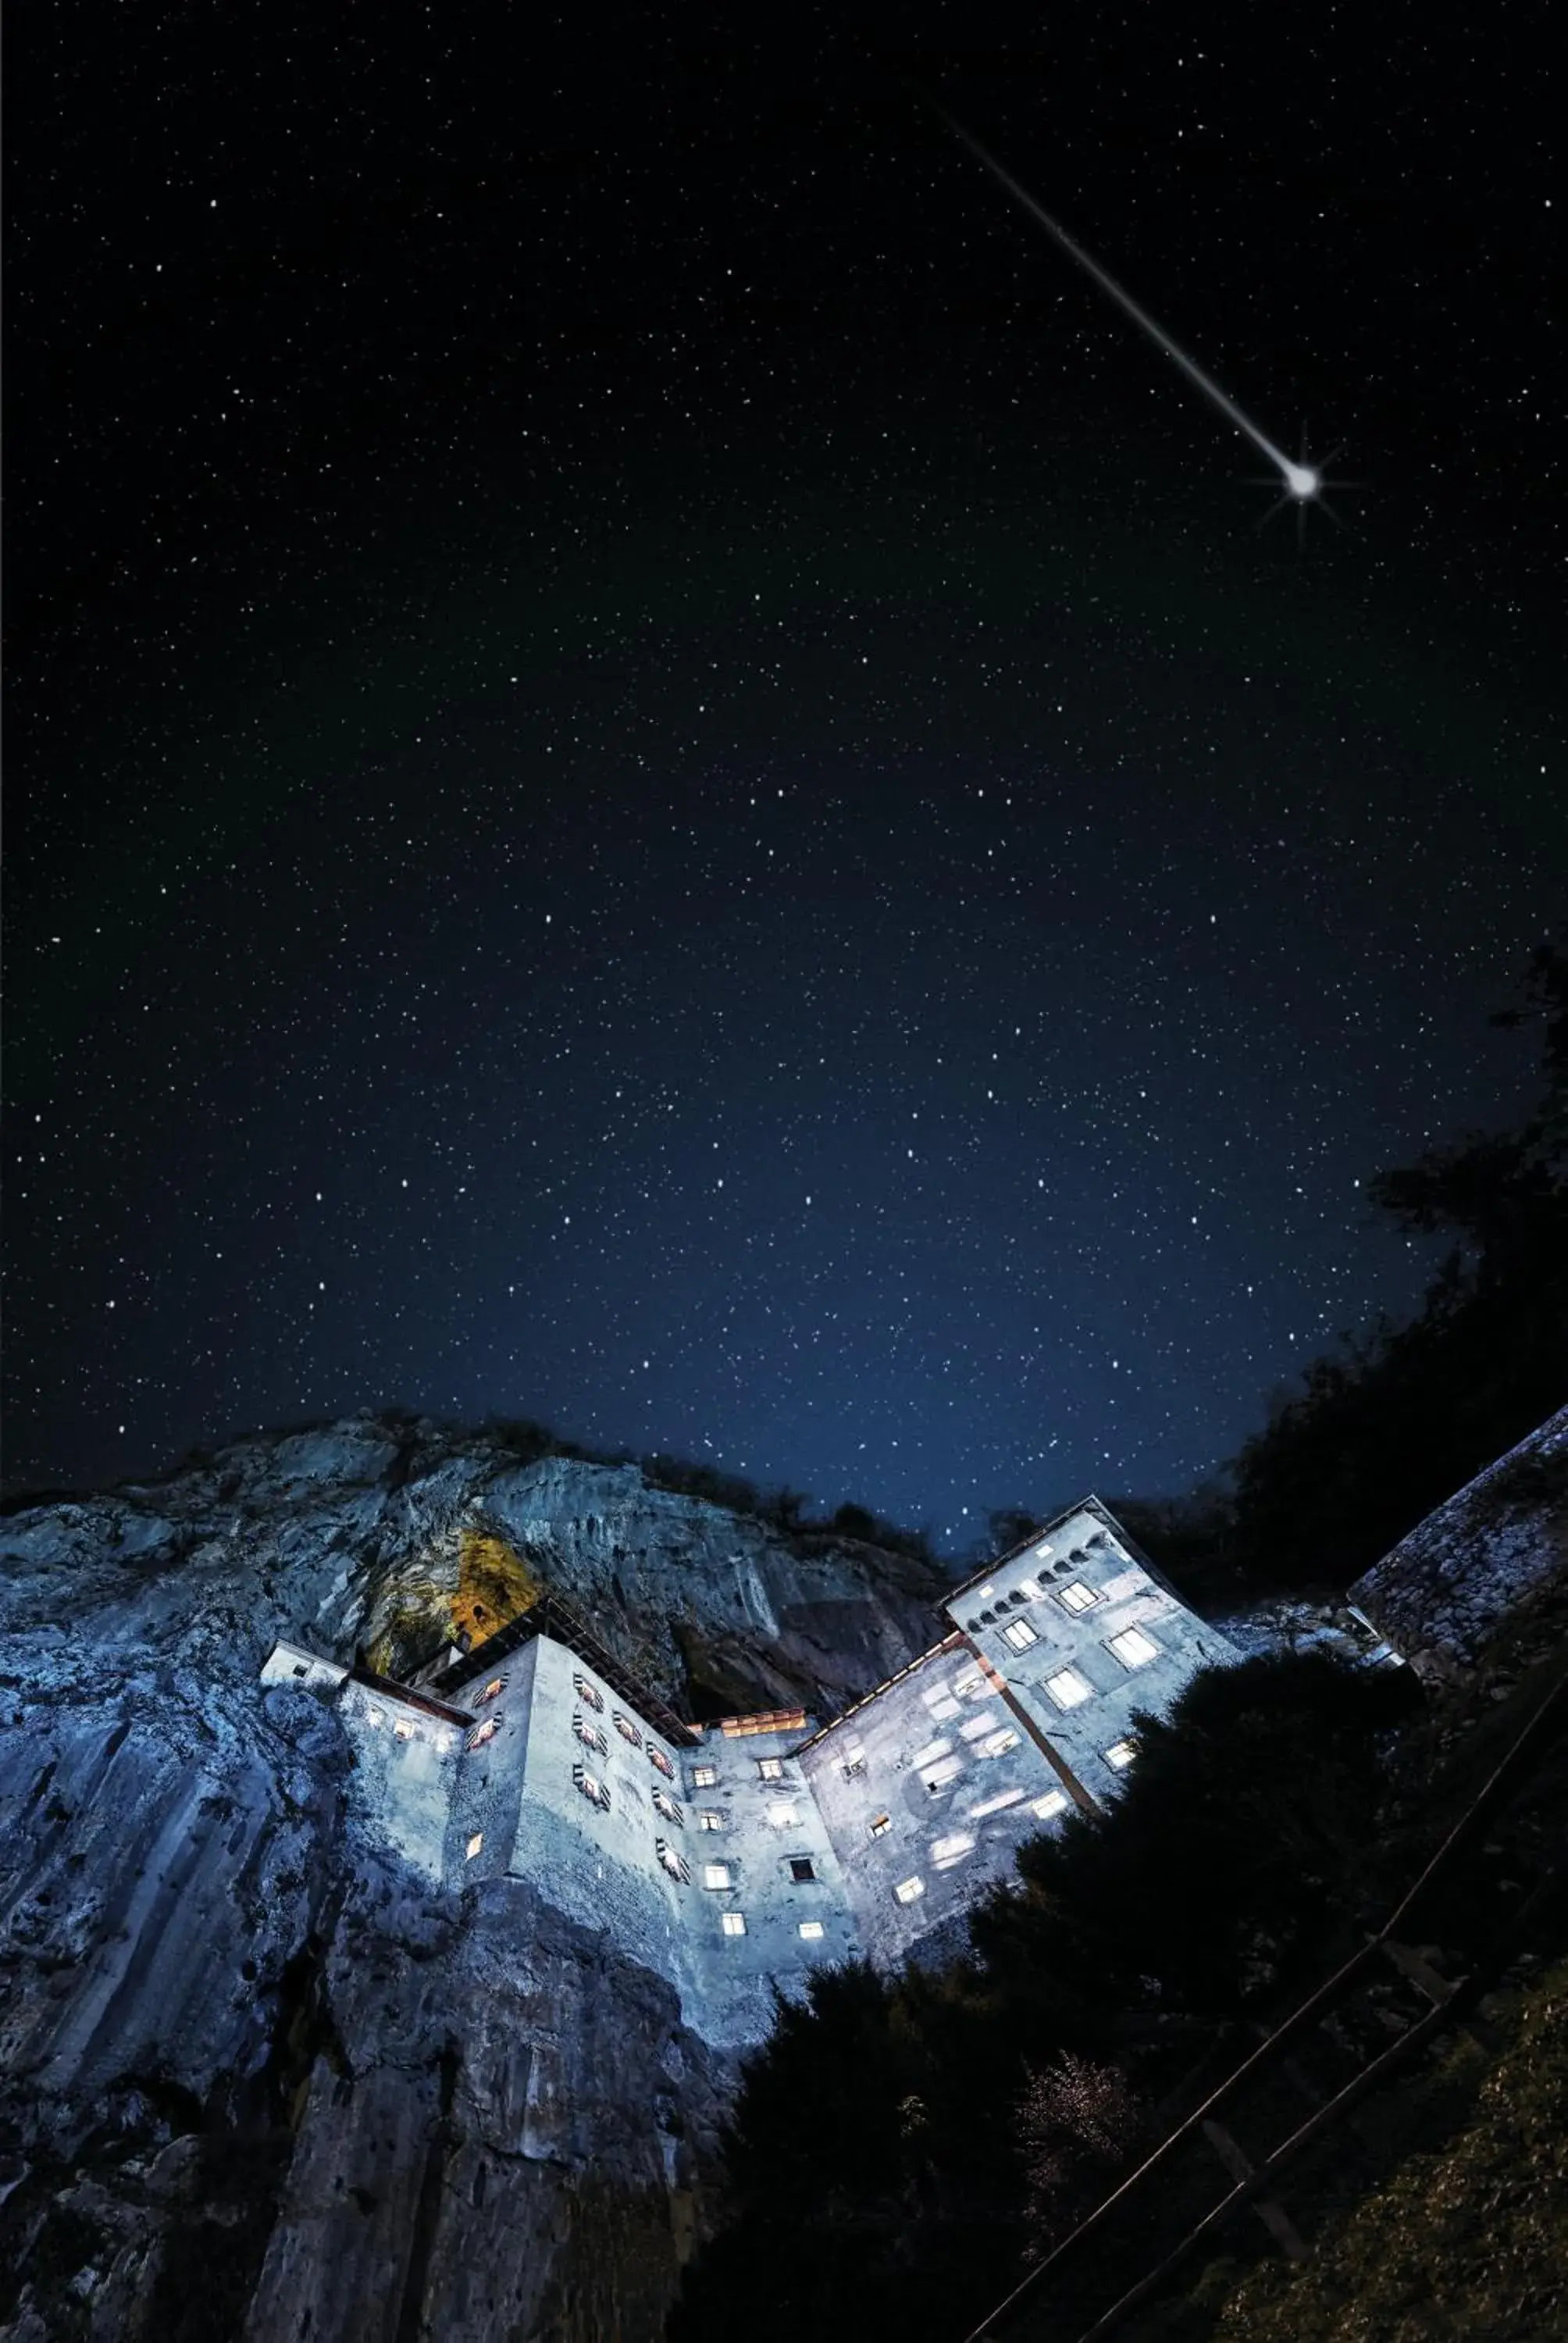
<point>1119,1756</point>
<point>628,1730</point>
<point>590,1735</point>
<point>663,1803</point>
<point>674,1862</point>
<point>1043,1553</point>
<point>852,1769</point>
<point>996,1744</point>
<point>302,1669</point>
<point>716,1875</point>
<point>481,1733</point>
<point>1053,1803</point>
<point>1020,1635</point>
<point>708,1819</point>
<point>475,1844</point>
<point>1076,1596</point>
<point>494,1689</point>
<point>973,1681</point>
<point>945,1852</point>
<point>879,1824</point>
<point>375,1715</point>
<point>770,1768</point>
<point>703,1777</point>
<point>732,1923</point>
<point>1032,1590</point>
<point>591,1693</point>
<point>592,1788</point>
<point>660,1762</point>
<point>908,1890</point>
<point>812,1930</point>
<point>1133,1648</point>
<point>782,1815</point>
<point>405,1730</point>
<point>801,1868</point>
<point>938,1777</point>
<point>1068,1688</point>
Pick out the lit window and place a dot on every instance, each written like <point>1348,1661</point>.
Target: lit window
<point>664,1805</point>
<point>1068,1688</point>
<point>782,1815</point>
<point>1032,1588</point>
<point>709,1820</point>
<point>494,1689</point>
<point>475,1844</point>
<point>732,1923</point>
<point>908,1890</point>
<point>590,1735</point>
<point>703,1777</point>
<point>674,1862</point>
<point>591,1693</point>
<point>986,1591</point>
<point>628,1730</point>
<point>971,1681</point>
<point>931,1753</point>
<point>801,1867</point>
<point>660,1762</point>
<point>1020,1635</point>
<point>405,1731</point>
<point>878,1823</point>
<point>1043,1553</point>
<point>951,1849</point>
<point>811,1930</point>
<point>1053,1802</point>
<point>1075,1595</point>
<point>770,1768</point>
<point>592,1788</point>
<point>995,1805</point>
<point>937,1777</point>
<point>481,1733</point>
<point>1133,1648</point>
<point>1121,1754</point>
<point>716,1875</point>
<point>996,1744</point>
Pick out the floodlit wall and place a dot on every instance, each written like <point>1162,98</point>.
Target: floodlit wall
<point>1083,1632</point>
<point>930,1787</point>
<point>405,1772</point>
<point>769,1835</point>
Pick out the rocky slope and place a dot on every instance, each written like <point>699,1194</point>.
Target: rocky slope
<point>258,2079</point>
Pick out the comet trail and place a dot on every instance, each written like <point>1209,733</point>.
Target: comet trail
<point>1302,482</point>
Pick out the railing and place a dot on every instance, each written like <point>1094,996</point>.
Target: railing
<point>1450,1999</point>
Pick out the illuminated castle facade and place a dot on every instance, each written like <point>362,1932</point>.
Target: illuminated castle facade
<point>732,1857</point>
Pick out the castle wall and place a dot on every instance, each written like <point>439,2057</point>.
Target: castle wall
<point>405,1767</point>
<point>1021,1618</point>
<point>930,1785</point>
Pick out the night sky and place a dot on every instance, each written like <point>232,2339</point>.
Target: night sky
<point>659,775</point>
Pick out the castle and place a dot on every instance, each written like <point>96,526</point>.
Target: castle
<point>732,1857</point>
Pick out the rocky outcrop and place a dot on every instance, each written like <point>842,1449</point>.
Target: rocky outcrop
<point>1496,1550</point>
<point>260,2079</point>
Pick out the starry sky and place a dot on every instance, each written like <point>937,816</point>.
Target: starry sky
<point>659,776</point>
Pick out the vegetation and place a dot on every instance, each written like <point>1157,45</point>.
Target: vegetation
<point>928,2131</point>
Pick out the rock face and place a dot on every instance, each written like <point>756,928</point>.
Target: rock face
<point>260,2079</point>
<point>1497,1548</point>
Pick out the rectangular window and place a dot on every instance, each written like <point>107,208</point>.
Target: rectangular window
<point>853,1768</point>
<point>590,1735</point>
<point>782,1816</point>
<point>592,1788</point>
<point>972,1682</point>
<point>1020,1635</point>
<point>1119,1756</point>
<point>1053,1803</point>
<point>952,1849</point>
<point>405,1731</point>
<point>674,1862</point>
<point>879,1824</point>
<point>1133,1648</point>
<point>801,1867</point>
<point>628,1730</point>
<point>732,1923</point>
<point>937,1777</point>
<point>770,1768</point>
<point>586,1691</point>
<point>703,1777</point>
<point>709,1820</point>
<point>1075,1595</point>
<point>996,1744</point>
<point>475,1844</point>
<point>664,1805</point>
<point>812,1930</point>
<point>481,1733</point>
<point>302,1669</point>
<point>716,1875</point>
<point>908,1890</point>
<point>494,1689</point>
<point>1042,1553</point>
<point>660,1762</point>
<point>1068,1688</point>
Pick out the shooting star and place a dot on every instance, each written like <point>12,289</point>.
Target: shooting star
<point>1302,481</point>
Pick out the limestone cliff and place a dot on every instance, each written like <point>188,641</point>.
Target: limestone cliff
<point>261,2080</point>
